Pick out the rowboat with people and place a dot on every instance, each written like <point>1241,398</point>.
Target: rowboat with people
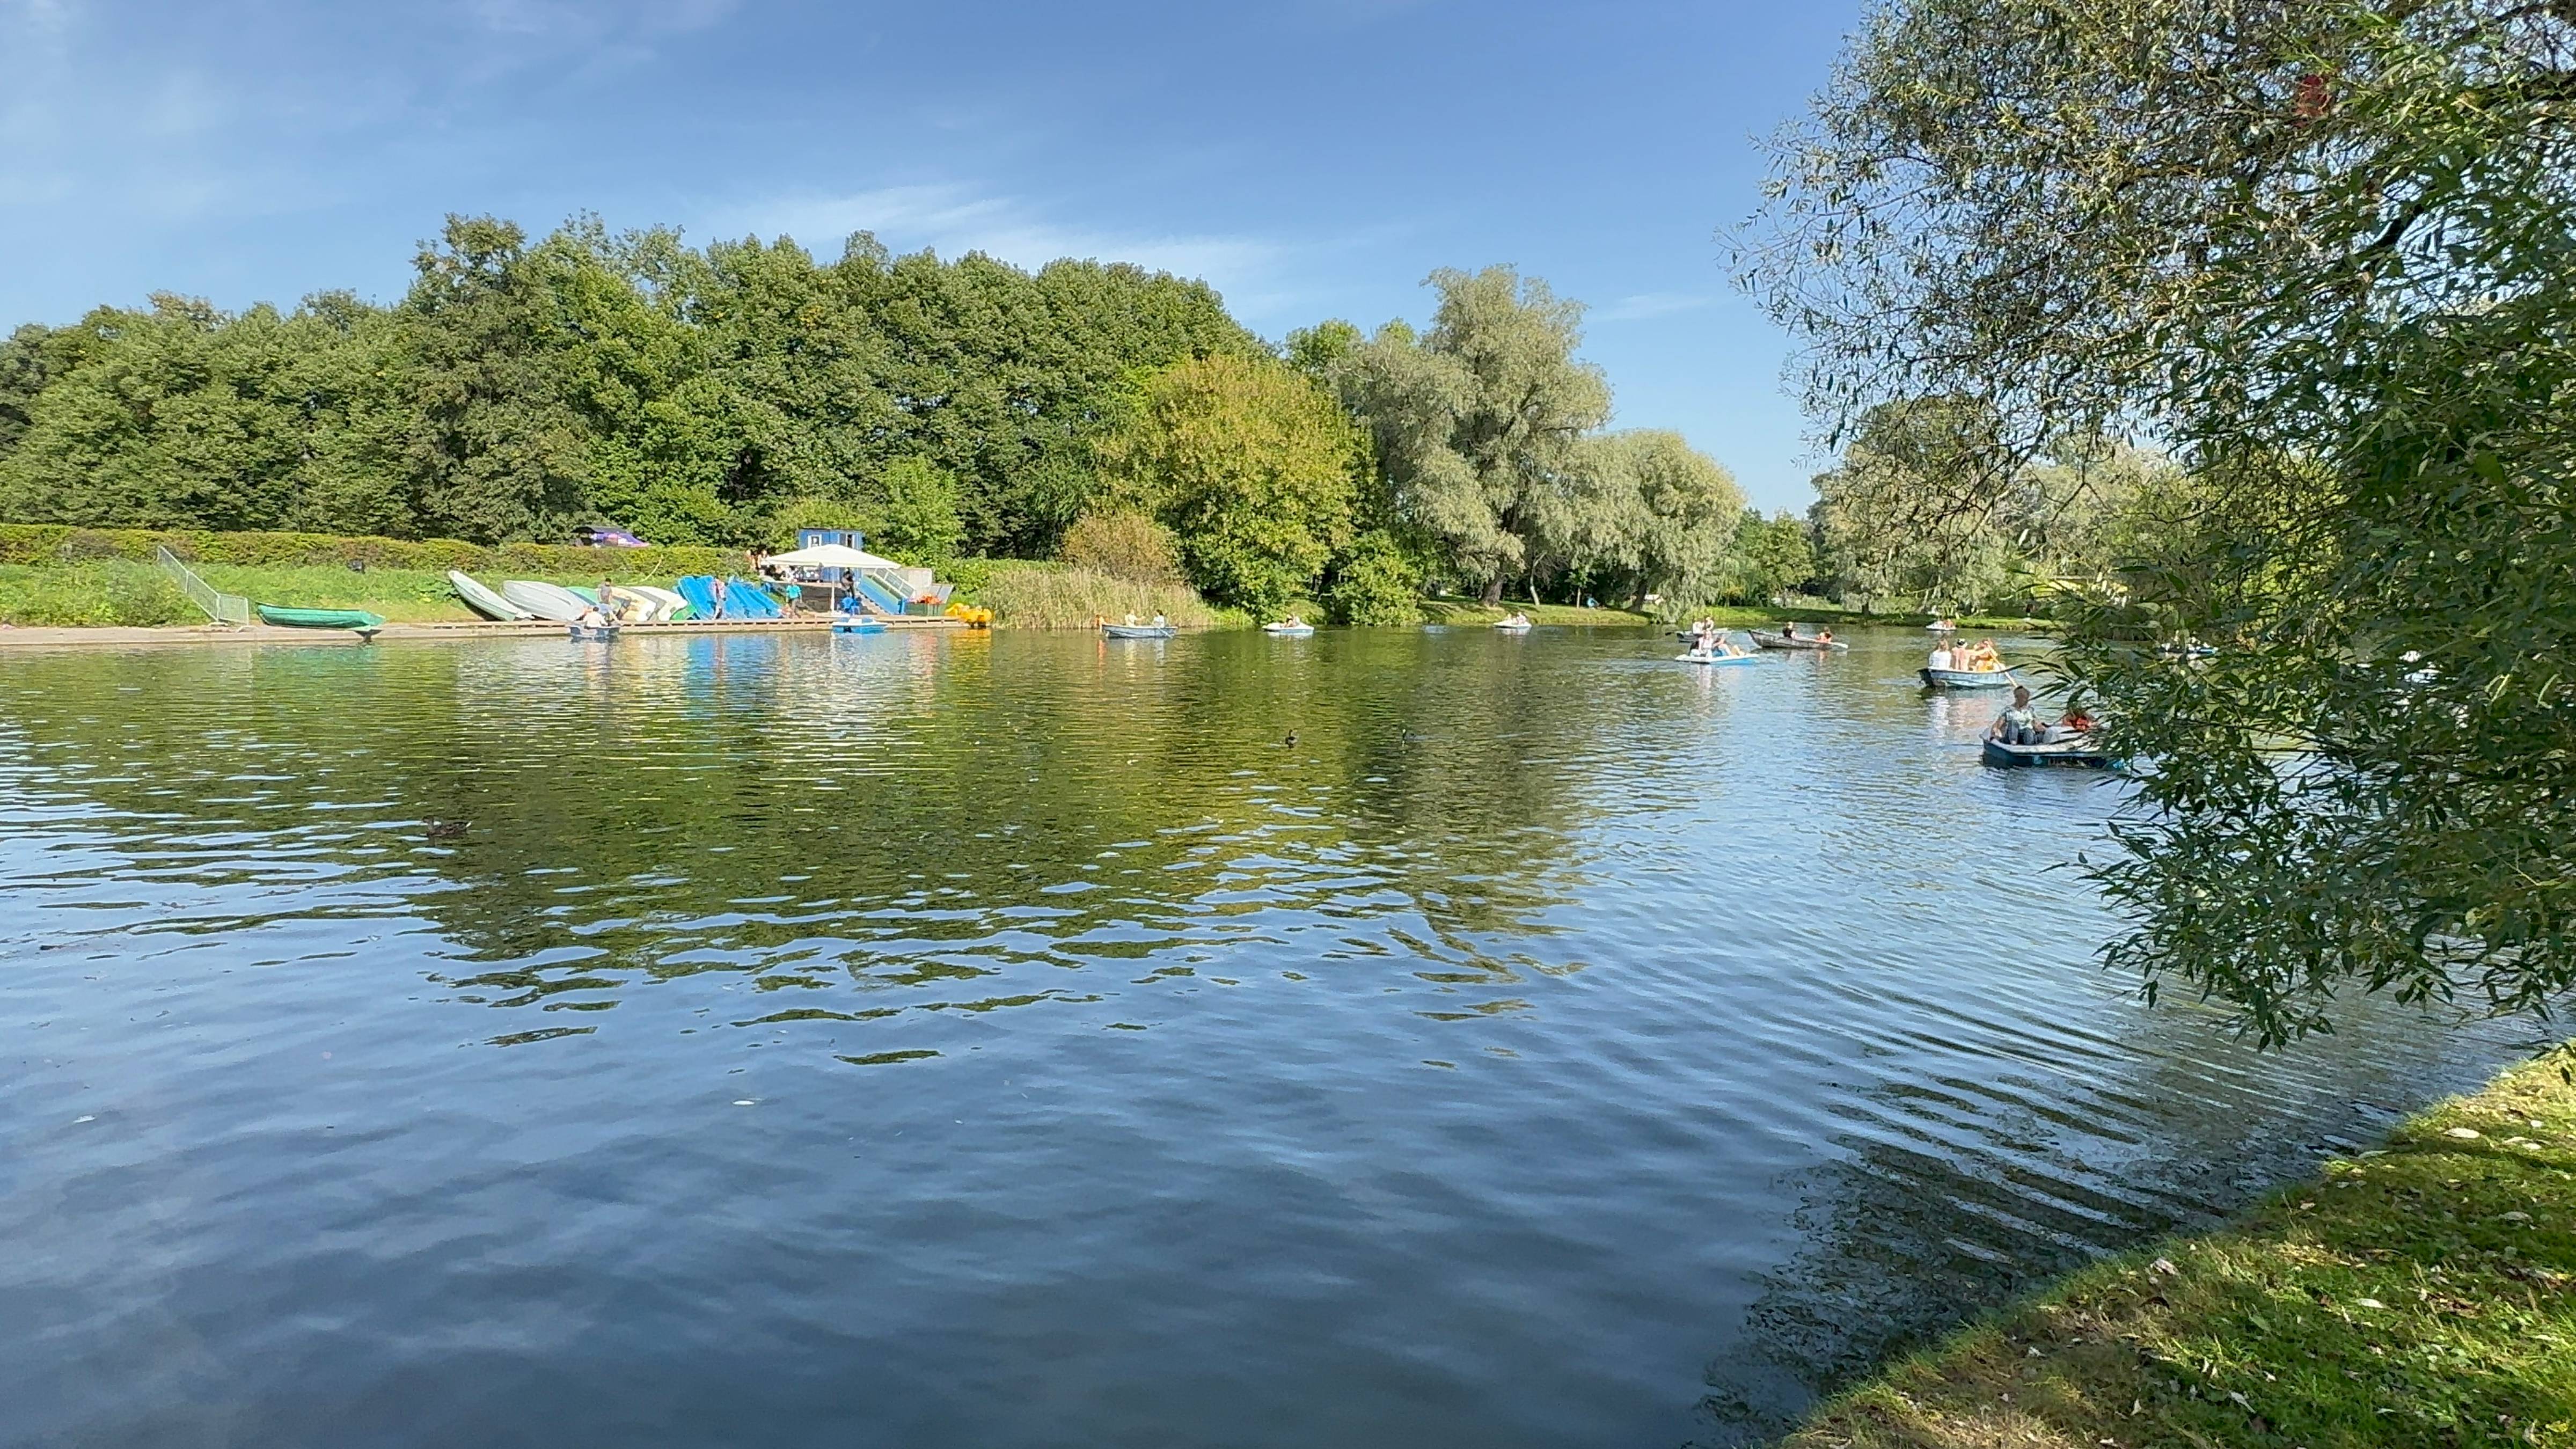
<point>1790,638</point>
<point>1967,678</point>
<point>2080,750</point>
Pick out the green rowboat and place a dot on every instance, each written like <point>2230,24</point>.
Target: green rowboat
<point>364,623</point>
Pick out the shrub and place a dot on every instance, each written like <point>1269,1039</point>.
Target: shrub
<point>1375,582</point>
<point>970,575</point>
<point>1127,546</point>
<point>90,593</point>
<point>921,522</point>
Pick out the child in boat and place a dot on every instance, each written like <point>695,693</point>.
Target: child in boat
<point>2019,723</point>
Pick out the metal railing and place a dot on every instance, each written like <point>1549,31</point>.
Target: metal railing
<point>221,607</point>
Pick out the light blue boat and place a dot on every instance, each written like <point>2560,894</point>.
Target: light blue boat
<point>1967,678</point>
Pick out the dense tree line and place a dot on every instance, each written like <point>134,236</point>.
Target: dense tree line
<point>695,396</point>
<point>726,395</point>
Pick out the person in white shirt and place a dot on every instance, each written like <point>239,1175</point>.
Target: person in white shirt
<point>1941,655</point>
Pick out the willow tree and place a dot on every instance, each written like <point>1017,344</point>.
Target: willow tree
<point>1657,515</point>
<point>2327,250</point>
<point>1481,421</point>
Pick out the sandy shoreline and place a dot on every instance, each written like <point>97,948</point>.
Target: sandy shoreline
<point>123,638</point>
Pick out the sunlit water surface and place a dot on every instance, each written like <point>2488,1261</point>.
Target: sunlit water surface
<point>1019,1041</point>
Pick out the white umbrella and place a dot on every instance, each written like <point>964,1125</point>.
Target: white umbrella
<point>831,556</point>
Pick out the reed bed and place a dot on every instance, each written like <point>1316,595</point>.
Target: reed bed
<point>1058,596</point>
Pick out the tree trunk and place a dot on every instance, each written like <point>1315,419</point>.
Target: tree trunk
<point>1494,592</point>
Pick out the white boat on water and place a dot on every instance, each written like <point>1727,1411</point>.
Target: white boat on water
<point>1288,630</point>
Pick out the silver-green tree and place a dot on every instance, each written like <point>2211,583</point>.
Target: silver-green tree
<point>1480,423</point>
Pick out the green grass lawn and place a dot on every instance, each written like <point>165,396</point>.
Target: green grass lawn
<point>1472,611</point>
<point>2423,1294</point>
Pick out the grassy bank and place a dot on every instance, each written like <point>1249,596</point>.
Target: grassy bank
<point>1474,611</point>
<point>2424,1294</point>
<point>108,592</point>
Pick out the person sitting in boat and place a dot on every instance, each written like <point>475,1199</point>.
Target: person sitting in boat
<point>1942,658</point>
<point>590,618</point>
<point>2075,724</point>
<point>1788,631</point>
<point>1825,636</point>
<point>1161,623</point>
<point>1292,622</point>
<point>2019,723</point>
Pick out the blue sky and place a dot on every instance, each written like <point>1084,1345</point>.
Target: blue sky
<point>1310,158</point>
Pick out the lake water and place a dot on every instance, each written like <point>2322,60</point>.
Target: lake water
<point>1023,1041</point>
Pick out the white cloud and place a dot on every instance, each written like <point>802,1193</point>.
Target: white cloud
<point>1642,305</point>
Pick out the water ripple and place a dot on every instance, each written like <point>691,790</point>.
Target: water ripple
<point>1016,1040</point>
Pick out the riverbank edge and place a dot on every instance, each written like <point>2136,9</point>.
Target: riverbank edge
<point>79,636</point>
<point>1437,612</point>
<point>2422,1292</point>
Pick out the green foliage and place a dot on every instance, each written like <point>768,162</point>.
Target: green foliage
<point>91,594</point>
<point>1666,520</point>
<point>1478,422</point>
<point>921,522</point>
<point>53,543</point>
<point>519,388</point>
<point>1375,581</point>
<point>1315,351</point>
<point>1124,544</point>
<point>1772,556</point>
<point>1253,468</point>
<point>836,514</point>
<point>2324,250</point>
